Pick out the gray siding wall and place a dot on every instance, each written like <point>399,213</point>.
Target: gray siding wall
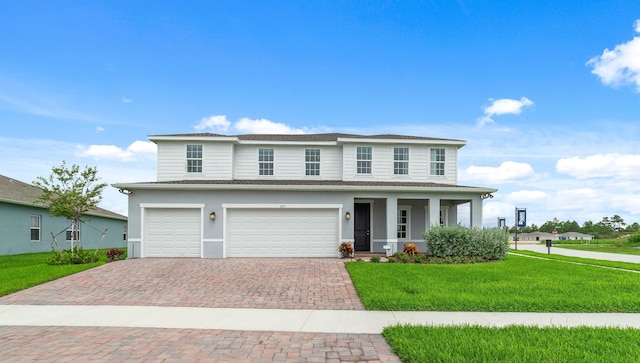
<point>15,231</point>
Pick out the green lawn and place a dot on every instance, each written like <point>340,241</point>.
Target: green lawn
<point>513,344</point>
<point>626,250</point>
<point>518,283</point>
<point>20,272</point>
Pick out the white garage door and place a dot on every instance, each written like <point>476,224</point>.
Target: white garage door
<point>282,232</point>
<point>172,232</point>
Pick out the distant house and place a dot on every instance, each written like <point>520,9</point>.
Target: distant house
<point>574,236</point>
<point>543,236</point>
<point>26,225</point>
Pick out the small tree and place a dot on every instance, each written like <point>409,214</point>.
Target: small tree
<point>70,192</point>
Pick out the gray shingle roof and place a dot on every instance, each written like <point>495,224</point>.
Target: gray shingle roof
<point>17,192</point>
<point>307,137</point>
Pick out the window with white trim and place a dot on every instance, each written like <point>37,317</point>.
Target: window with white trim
<point>404,218</point>
<point>363,159</point>
<point>265,161</point>
<point>312,162</point>
<point>437,162</point>
<point>36,223</point>
<point>74,227</point>
<point>194,158</point>
<point>401,160</point>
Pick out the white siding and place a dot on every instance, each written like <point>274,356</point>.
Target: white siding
<point>288,162</point>
<point>216,161</point>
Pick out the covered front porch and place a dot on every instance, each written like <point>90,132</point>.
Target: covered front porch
<point>397,220</point>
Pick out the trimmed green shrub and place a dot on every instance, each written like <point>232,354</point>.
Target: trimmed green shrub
<point>458,241</point>
<point>375,259</point>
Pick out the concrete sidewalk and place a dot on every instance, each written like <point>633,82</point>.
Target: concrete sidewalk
<point>558,250</point>
<point>288,320</point>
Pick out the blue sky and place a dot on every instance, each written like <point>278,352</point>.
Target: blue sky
<point>546,93</point>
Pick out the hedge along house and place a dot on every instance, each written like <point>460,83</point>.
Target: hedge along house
<point>295,195</point>
<point>26,225</point>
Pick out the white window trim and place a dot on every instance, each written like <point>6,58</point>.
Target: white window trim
<point>370,161</point>
<point>444,163</point>
<point>272,162</point>
<point>408,224</point>
<point>39,228</point>
<point>393,166</point>
<point>70,231</point>
<point>186,165</point>
<point>307,163</point>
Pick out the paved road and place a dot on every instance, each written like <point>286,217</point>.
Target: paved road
<point>577,253</point>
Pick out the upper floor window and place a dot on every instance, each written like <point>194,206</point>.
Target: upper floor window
<point>363,159</point>
<point>312,161</point>
<point>36,222</point>
<point>437,162</point>
<point>194,158</point>
<point>401,160</point>
<point>265,161</point>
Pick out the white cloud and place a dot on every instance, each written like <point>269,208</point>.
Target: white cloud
<point>501,107</point>
<point>507,172</point>
<point>601,165</point>
<point>214,123</point>
<point>528,196</point>
<point>621,65</point>
<point>99,129</point>
<point>126,100</point>
<point>138,149</point>
<point>264,126</point>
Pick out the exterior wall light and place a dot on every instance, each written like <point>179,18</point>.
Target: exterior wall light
<point>347,215</point>
<point>486,195</point>
<point>212,216</point>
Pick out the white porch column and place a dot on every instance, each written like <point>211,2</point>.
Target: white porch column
<point>392,223</point>
<point>476,212</point>
<point>434,211</point>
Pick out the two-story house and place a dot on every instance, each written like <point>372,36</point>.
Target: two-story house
<point>295,195</point>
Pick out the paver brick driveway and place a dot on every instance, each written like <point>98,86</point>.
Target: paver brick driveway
<point>271,283</point>
<point>262,283</point>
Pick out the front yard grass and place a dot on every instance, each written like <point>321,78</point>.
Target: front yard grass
<point>516,284</point>
<point>513,344</point>
<point>19,272</point>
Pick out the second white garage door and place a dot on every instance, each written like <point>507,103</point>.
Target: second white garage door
<point>282,232</point>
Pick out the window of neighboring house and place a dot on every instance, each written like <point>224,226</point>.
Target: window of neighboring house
<point>437,161</point>
<point>75,226</point>
<point>194,158</point>
<point>312,162</point>
<point>403,222</point>
<point>400,160</point>
<point>363,159</point>
<point>265,161</point>
<point>36,222</point>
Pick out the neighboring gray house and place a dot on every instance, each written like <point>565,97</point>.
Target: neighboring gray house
<point>295,195</point>
<point>26,226</point>
<point>575,236</point>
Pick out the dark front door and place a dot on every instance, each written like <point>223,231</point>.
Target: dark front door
<point>362,222</point>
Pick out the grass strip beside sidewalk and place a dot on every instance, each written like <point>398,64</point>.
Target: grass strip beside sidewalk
<point>513,344</point>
